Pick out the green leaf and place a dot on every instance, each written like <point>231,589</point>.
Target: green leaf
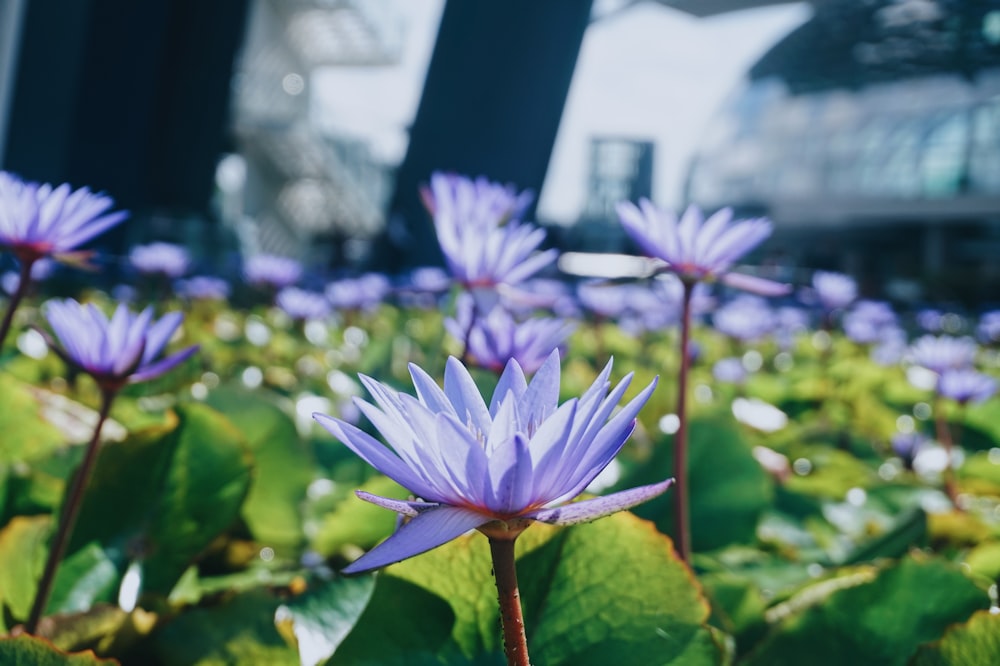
<point>984,560</point>
<point>27,436</point>
<point>354,522</point>
<point>614,592</point>
<point>974,643</point>
<point>83,579</point>
<point>283,467</point>
<point>729,489</point>
<point>403,625</point>
<point>31,651</point>
<point>240,631</point>
<point>23,548</point>
<point>162,497</point>
<point>319,620</point>
<point>609,592</point>
<point>878,622</point>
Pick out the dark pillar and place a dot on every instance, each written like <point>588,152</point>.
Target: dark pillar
<point>126,97</point>
<point>491,105</point>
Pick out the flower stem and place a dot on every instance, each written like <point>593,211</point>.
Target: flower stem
<point>67,518</point>
<point>515,643</point>
<point>682,523</point>
<point>944,436</point>
<point>22,288</point>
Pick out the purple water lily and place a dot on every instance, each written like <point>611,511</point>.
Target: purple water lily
<point>123,349</point>
<point>483,242</point>
<point>39,221</point>
<point>43,221</point>
<point>988,328</point>
<point>204,288</point>
<point>747,319</point>
<point>300,304</point>
<point>168,259</point>
<point>365,292</point>
<point>944,352</point>
<point>730,370</point>
<point>834,290</point>
<point>699,250</point>
<point>495,467</point>
<point>869,322</point>
<point>966,385</point>
<point>496,338</point>
<point>457,200</point>
<point>269,270</point>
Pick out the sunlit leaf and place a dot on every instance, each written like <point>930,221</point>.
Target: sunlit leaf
<point>162,497</point>
<point>973,643</point>
<point>319,620</point>
<point>282,467</point>
<point>22,557</point>
<point>31,651</point>
<point>882,621</point>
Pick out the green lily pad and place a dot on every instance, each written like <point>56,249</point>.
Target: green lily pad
<point>163,495</point>
<point>612,591</point>
<point>31,651</point>
<point>319,620</point>
<point>239,631</point>
<point>22,557</point>
<point>729,490</point>
<point>283,467</point>
<point>878,622</point>
<point>973,643</point>
<point>403,625</point>
<point>354,522</point>
<point>27,436</point>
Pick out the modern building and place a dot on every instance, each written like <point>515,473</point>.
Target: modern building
<point>871,136</point>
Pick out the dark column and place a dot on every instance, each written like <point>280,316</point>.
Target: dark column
<point>126,97</point>
<point>491,105</point>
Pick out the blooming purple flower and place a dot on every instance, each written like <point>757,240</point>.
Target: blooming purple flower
<point>361,293</point>
<point>41,221</point>
<point>428,279</point>
<point>988,328</point>
<point>907,445</point>
<point>869,322</point>
<point>966,385</point>
<point>204,287</point>
<point>269,270</point>
<point>944,352</point>
<point>300,304</point>
<point>517,460</point>
<point>461,201</point>
<point>123,349</point>
<point>697,249</point>
<point>834,290</point>
<point>729,371</point>
<point>746,319</point>
<point>166,259</point>
<point>930,320</point>
<point>890,347</point>
<point>496,338</point>
<point>483,243</point>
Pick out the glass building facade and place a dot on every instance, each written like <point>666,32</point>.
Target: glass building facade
<point>871,136</point>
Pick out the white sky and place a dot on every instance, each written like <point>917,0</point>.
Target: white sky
<point>649,72</point>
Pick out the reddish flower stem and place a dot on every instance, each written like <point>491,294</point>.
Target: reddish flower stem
<point>515,643</point>
<point>22,288</point>
<point>944,436</point>
<point>682,524</point>
<point>67,518</point>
